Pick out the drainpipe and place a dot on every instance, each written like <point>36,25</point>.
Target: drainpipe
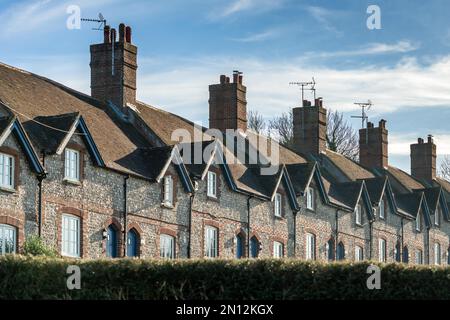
<point>40,178</point>
<point>191,201</point>
<point>295,232</point>
<point>125,213</point>
<point>336,234</point>
<point>248,226</point>
<point>370,239</point>
<point>428,245</point>
<point>402,242</point>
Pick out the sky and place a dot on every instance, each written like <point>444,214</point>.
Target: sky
<point>183,46</point>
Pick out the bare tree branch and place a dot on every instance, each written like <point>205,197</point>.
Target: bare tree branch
<point>444,169</point>
<point>256,121</point>
<point>282,129</point>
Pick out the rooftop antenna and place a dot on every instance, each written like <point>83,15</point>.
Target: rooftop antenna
<point>365,106</point>
<point>308,85</point>
<point>101,20</point>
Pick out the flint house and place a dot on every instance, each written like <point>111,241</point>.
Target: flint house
<point>95,176</point>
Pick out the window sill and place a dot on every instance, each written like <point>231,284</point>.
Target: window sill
<point>310,210</point>
<point>359,225</point>
<point>212,198</point>
<point>278,217</point>
<point>72,182</point>
<point>167,205</point>
<point>8,190</point>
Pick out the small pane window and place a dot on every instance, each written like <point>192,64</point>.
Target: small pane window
<point>310,246</point>
<point>278,205</point>
<point>419,256</point>
<point>72,165</point>
<point>8,239</point>
<point>382,209</point>
<point>212,184</point>
<point>310,198</point>
<point>358,217</point>
<point>359,253</point>
<point>6,171</point>
<point>70,244</point>
<point>418,223</point>
<point>277,249</point>
<point>166,246</point>
<point>437,254</point>
<point>382,250</point>
<point>168,190</point>
<point>211,242</point>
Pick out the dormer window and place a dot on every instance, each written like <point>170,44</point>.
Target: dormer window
<point>168,191</point>
<point>436,216</point>
<point>6,171</point>
<point>418,223</point>
<point>382,209</point>
<point>212,184</point>
<point>277,208</point>
<point>310,198</point>
<point>358,215</point>
<point>72,165</point>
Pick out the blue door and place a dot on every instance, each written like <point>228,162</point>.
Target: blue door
<point>239,246</point>
<point>254,247</point>
<point>340,251</point>
<point>111,242</point>
<point>132,243</point>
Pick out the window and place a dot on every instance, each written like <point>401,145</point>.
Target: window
<point>72,165</point>
<point>239,246</point>
<point>405,255</point>
<point>211,242</point>
<point>419,256</point>
<point>381,250</point>
<point>8,239</point>
<point>212,184</point>
<point>166,246</point>
<point>310,198</point>
<point>437,254</point>
<point>168,191</point>
<point>277,249</point>
<point>359,253</point>
<point>6,171</point>
<point>436,216</point>
<point>70,245</point>
<point>340,251</point>
<point>277,209</point>
<point>397,252</point>
<point>418,223</point>
<point>358,217</point>
<point>254,247</point>
<point>330,249</point>
<point>382,209</point>
<point>310,246</point>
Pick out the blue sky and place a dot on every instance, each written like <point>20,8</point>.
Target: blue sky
<point>404,68</point>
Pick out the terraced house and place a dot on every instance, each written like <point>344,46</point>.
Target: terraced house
<point>103,176</point>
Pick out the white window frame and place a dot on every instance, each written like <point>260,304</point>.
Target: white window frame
<point>419,256</point>
<point>418,223</point>
<point>436,216</point>
<point>358,215</point>
<point>168,191</point>
<point>437,254</point>
<point>7,233</point>
<point>382,209</point>
<point>72,164</point>
<point>212,184</point>
<point>310,198</point>
<point>166,246</point>
<point>382,250</point>
<point>278,205</point>
<point>211,242</point>
<point>7,170</point>
<point>70,235</point>
<point>359,253</point>
<point>278,250</point>
<point>310,246</point>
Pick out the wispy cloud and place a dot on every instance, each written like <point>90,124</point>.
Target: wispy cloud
<point>403,46</point>
<point>324,17</point>
<point>238,6</point>
<point>256,37</point>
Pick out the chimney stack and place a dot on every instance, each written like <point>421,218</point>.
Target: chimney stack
<point>113,68</point>
<point>310,127</point>
<point>228,104</point>
<point>373,145</point>
<point>423,159</point>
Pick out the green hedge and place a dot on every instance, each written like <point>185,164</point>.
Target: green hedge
<point>45,278</point>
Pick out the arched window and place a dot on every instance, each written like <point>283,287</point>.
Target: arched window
<point>405,254</point>
<point>132,243</point>
<point>330,249</point>
<point>111,242</point>
<point>8,239</point>
<point>359,253</point>
<point>254,247</point>
<point>239,245</point>
<point>340,251</point>
<point>310,246</point>
<point>437,254</point>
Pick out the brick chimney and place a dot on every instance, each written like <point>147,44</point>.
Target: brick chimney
<point>423,159</point>
<point>228,104</point>
<point>113,68</point>
<point>310,127</point>
<point>373,145</point>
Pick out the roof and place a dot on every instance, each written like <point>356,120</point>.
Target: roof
<point>409,203</point>
<point>345,193</point>
<point>376,187</point>
<point>300,174</point>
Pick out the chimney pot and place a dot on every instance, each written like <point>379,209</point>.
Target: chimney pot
<point>223,79</point>
<point>128,34</point>
<point>382,123</point>
<point>369,125</point>
<point>121,33</point>
<point>113,35</point>
<point>419,140</point>
<point>235,77</point>
<point>107,34</point>
<point>240,79</point>
<point>430,138</point>
<point>228,80</point>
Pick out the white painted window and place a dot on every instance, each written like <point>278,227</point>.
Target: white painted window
<point>437,254</point>
<point>72,165</point>
<point>278,206</point>
<point>358,215</point>
<point>277,249</point>
<point>6,171</point>
<point>168,190</point>
<point>8,239</point>
<point>211,242</point>
<point>70,244</point>
<point>436,216</point>
<point>310,198</point>
<point>166,246</point>
<point>419,256</point>
<point>359,253</point>
<point>381,250</point>
<point>310,246</point>
<point>418,223</point>
<point>382,209</point>
<point>212,184</point>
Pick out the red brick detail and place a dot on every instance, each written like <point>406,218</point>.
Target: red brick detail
<point>19,230</point>
<point>83,227</point>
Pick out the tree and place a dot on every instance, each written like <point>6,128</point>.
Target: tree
<point>444,169</point>
<point>341,137</point>
<point>256,121</point>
